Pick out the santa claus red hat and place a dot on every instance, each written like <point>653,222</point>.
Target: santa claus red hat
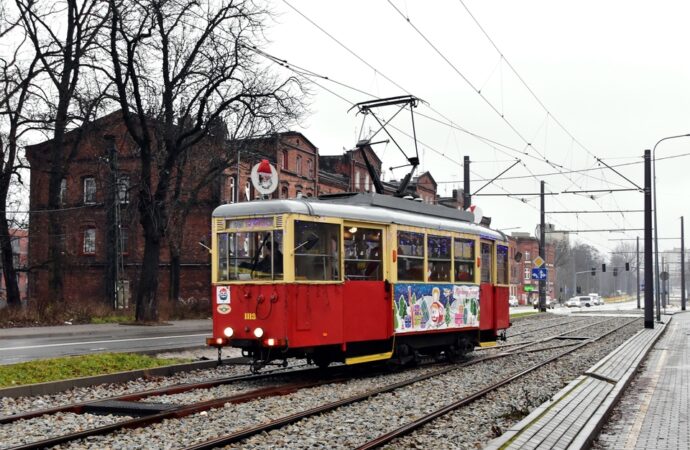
<point>264,167</point>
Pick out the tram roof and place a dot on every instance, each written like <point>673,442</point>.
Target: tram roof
<point>367,208</point>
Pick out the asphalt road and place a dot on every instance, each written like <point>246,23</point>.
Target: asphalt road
<point>25,344</point>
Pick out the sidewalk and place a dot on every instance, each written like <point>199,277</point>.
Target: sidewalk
<point>179,326</point>
<point>653,412</point>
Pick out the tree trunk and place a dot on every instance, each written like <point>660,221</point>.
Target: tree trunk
<point>8,270</point>
<point>146,303</point>
<point>174,291</point>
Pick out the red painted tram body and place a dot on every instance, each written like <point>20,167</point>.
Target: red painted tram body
<point>355,278</point>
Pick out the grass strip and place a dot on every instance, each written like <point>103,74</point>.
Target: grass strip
<point>522,314</point>
<point>55,369</point>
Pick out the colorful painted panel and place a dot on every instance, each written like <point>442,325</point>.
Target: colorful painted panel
<point>423,307</point>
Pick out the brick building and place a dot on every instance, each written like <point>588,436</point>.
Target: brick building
<point>528,289</point>
<point>97,194</point>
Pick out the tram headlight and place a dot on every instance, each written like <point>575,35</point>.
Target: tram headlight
<point>258,332</point>
<point>228,332</point>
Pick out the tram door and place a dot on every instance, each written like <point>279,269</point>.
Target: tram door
<point>366,304</point>
<point>486,288</point>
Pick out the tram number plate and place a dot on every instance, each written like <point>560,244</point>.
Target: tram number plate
<point>249,316</point>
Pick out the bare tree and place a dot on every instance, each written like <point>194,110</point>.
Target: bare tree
<point>16,83</point>
<point>64,35</point>
<point>180,67</point>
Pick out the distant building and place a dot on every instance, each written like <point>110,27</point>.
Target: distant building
<point>528,289</point>
<point>93,188</point>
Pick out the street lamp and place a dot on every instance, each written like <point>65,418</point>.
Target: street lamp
<point>656,232</point>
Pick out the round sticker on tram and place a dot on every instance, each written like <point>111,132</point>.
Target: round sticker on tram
<point>264,177</point>
<point>223,295</point>
<point>223,309</point>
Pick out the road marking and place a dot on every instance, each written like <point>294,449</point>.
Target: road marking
<point>102,342</point>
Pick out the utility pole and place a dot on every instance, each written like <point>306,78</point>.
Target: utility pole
<point>466,196</point>
<point>637,265</point>
<point>664,283</point>
<point>112,224</point>
<point>682,264</point>
<point>542,253</point>
<point>648,275</point>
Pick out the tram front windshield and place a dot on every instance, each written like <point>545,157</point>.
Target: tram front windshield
<point>250,255</point>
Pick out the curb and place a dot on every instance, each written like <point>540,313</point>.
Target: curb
<point>590,428</point>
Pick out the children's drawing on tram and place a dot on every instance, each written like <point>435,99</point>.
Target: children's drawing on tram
<point>420,307</point>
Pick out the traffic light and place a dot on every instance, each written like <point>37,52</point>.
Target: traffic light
<point>603,267</point>
<point>615,271</point>
<point>627,267</point>
<point>594,271</point>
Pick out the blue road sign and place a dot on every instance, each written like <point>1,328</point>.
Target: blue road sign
<point>539,273</point>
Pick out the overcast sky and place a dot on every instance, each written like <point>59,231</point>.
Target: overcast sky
<point>615,74</point>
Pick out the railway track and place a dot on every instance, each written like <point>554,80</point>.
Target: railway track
<point>156,413</point>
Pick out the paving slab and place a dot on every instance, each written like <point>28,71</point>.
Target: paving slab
<point>574,416</point>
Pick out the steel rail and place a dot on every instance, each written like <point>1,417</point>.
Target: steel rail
<point>409,427</point>
<point>293,418</point>
<point>78,408</point>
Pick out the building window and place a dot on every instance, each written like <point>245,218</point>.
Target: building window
<point>89,190</point>
<point>231,190</point>
<point>63,191</point>
<point>284,192</point>
<point>356,180</point>
<point>89,247</point>
<point>310,168</point>
<point>367,186</point>
<point>527,258</point>
<point>528,274</point>
<point>299,166</point>
<point>284,159</point>
<point>123,188</point>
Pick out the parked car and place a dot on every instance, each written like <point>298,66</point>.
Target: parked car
<point>513,301</point>
<point>549,303</point>
<point>573,302</point>
<point>596,299</point>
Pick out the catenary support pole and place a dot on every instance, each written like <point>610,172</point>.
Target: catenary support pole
<point>637,265</point>
<point>542,253</point>
<point>682,264</point>
<point>648,265</point>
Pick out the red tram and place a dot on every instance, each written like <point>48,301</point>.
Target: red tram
<point>355,278</point>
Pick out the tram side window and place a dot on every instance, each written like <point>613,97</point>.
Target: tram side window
<point>223,273</point>
<point>250,255</point>
<point>464,259</point>
<point>502,274</point>
<point>486,262</point>
<point>363,254</point>
<point>410,256</point>
<point>438,254</point>
<point>317,250</point>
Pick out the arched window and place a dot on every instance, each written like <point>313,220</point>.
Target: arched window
<point>89,241</point>
<point>231,190</point>
<point>284,159</point>
<point>310,168</point>
<point>299,166</point>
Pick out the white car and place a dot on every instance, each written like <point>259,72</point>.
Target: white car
<point>549,304</point>
<point>513,301</point>
<point>573,302</point>
<point>596,299</point>
<point>586,300</point>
